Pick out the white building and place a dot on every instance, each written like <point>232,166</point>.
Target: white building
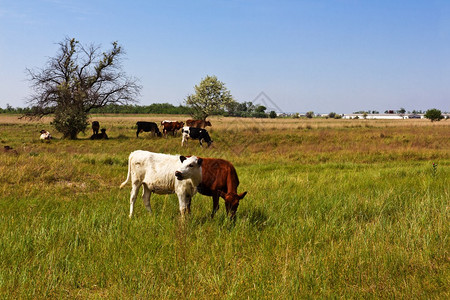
<point>382,116</point>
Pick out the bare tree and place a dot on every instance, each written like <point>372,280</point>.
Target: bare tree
<point>78,79</point>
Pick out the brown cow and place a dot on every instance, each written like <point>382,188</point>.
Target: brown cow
<point>219,179</point>
<point>197,123</point>
<point>171,126</point>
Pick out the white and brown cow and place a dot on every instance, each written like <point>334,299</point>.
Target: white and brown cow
<point>45,135</point>
<point>163,174</point>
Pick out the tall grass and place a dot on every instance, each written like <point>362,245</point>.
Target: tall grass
<point>332,212</point>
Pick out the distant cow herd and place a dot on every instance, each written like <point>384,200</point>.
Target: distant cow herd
<point>194,129</point>
<point>166,174</point>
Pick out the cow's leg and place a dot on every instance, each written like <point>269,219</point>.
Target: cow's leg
<point>188,204</point>
<point>184,203</point>
<point>134,191</point>
<point>146,198</point>
<point>183,140</point>
<point>215,207</point>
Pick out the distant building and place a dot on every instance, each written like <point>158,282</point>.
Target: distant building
<point>388,116</point>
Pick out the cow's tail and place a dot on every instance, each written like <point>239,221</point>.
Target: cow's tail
<point>128,175</point>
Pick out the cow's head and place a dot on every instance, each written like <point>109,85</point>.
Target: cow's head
<point>190,169</point>
<point>232,202</point>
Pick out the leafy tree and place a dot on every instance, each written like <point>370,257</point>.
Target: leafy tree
<point>401,111</point>
<point>259,112</point>
<point>210,96</point>
<point>78,79</point>
<point>310,114</point>
<point>332,115</point>
<point>434,115</point>
<point>272,114</point>
<point>260,109</point>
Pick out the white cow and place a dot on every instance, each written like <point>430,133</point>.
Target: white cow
<point>163,174</point>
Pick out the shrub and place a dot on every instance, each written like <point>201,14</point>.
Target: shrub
<point>434,115</point>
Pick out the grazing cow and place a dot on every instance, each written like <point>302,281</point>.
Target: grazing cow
<point>147,127</point>
<point>198,123</point>
<point>219,179</point>
<point>45,135</point>
<point>171,126</point>
<point>196,134</point>
<point>95,128</point>
<point>163,174</point>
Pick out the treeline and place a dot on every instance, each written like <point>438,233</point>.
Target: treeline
<point>11,110</point>
<point>244,109</point>
<point>236,109</point>
<point>155,108</point>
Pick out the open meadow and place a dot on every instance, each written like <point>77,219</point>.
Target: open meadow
<point>335,209</point>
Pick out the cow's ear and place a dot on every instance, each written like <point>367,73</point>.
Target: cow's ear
<point>182,158</point>
<point>199,161</point>
<point>242,195</point>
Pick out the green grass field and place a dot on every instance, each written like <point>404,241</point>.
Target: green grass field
<point>335,209</point>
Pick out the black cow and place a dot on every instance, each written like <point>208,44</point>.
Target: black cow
<point>100,136</point>
<point>196,134</point>
<point>147,127</point>
<point>95,127</point>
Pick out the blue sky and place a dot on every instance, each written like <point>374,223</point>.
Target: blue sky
<point>305,55</point>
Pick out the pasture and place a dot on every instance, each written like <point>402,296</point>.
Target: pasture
<point>335,209</point>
